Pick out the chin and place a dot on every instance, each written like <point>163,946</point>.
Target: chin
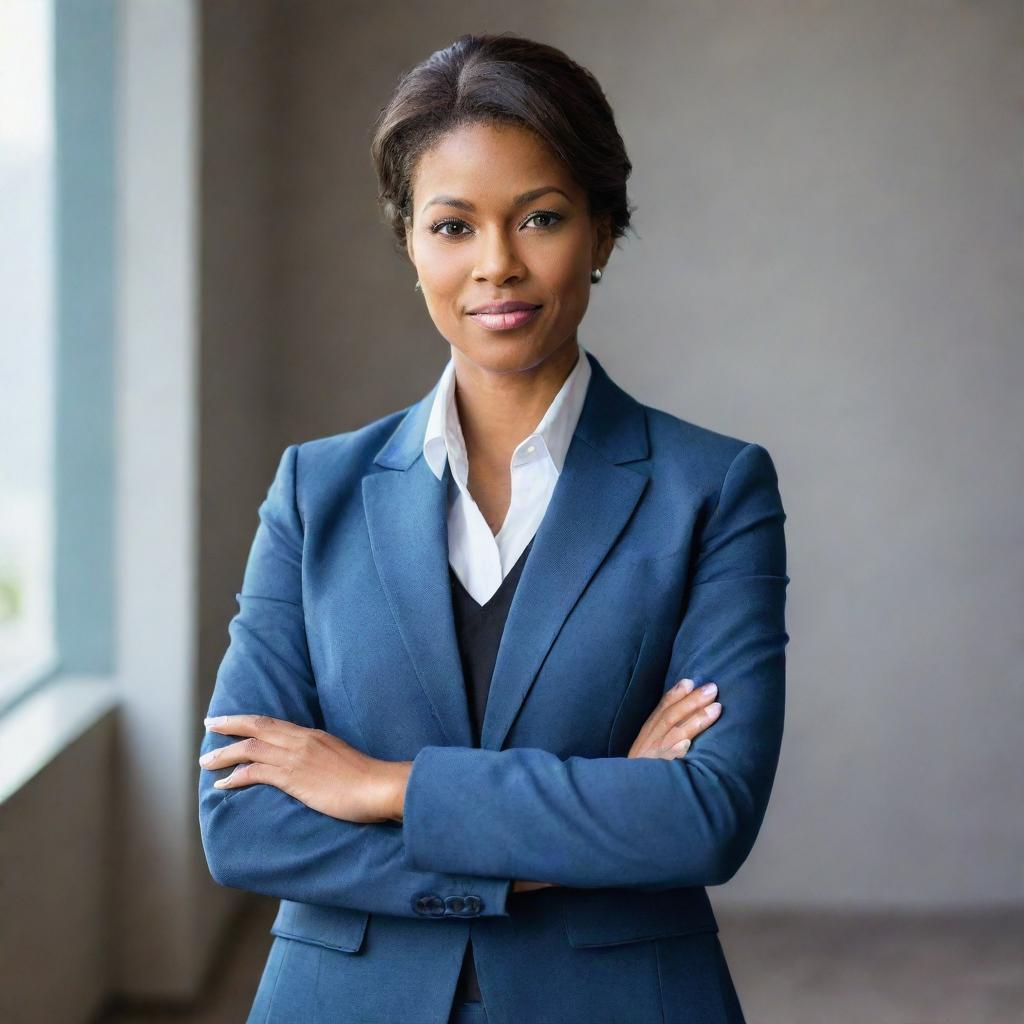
<point>505,352</point>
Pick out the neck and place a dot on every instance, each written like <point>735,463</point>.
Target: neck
<point>498,410</point>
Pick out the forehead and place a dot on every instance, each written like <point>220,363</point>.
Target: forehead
<point>489,164</point>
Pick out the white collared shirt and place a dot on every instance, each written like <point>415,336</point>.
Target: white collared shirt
<point>479,558</point>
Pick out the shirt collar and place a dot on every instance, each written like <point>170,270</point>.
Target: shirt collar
<point>550,438</point>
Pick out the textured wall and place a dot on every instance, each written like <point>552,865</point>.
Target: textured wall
<point>238,329</point>
<point>829,211</point>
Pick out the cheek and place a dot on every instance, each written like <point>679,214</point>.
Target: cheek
<point>567,269</point>
<point>443,285</point>
<point>571,287</point>
<point>443,273</point>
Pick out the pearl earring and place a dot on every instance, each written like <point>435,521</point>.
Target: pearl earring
<point>595,275</point>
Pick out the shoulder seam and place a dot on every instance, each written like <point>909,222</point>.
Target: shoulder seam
<point>725,478</point>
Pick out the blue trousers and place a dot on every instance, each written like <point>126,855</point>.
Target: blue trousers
<point>468,1013</point>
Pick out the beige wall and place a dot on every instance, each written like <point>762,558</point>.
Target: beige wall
<point>829,204</point>
<point>238,323</point>
<point>829,211</point>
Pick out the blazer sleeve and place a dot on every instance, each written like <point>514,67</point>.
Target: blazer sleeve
<point>641,822</point>
<point>258,837</point>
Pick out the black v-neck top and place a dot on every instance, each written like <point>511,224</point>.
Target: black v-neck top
<point>479,629</point>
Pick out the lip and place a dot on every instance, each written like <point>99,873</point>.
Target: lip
<point>506,321</point>
<point>508,306</point>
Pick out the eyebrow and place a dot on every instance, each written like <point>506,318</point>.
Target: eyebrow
<point>520,200</point>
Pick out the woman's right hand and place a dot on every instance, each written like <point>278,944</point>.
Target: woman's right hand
<point>681,714</point>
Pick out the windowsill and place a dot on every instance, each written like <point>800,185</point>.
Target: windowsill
<point>43,723</point>
<point>23,676</point>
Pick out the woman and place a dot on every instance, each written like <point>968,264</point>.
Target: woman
<point>461,683</point>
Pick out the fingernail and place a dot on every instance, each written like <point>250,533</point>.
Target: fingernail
<point>686,685</point>
<point>682,745</point>
<point>709,690</point>
<point>713,709</point>
<point>216,720</point>
<point>221,782</point>
<point>206,758</point>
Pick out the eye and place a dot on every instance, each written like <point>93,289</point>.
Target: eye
<point>435,228</point>
<point>550,214</point>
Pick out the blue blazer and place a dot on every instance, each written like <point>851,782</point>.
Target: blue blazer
<point>661,555</point>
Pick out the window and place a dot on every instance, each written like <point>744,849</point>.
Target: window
<point>27,370</point>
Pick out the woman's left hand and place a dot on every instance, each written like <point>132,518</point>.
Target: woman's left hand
<point>317,768</point>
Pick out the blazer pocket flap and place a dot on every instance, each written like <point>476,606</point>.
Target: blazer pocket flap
<point>606,917</point>
<point>334,927</point>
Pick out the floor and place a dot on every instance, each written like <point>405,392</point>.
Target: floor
<point>789,968</point>
<point>877,969</point>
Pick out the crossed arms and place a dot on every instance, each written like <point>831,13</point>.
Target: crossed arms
<point>474,819</point>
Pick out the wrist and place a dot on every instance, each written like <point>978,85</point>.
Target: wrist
<point>397,774</point>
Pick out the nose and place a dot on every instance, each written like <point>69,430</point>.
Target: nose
<point>498,261</point>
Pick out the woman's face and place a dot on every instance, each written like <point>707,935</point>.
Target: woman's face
<point>472,243</point>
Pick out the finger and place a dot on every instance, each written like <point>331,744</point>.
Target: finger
<point>675,724</point>
<point>671,753</point>
<point>250,725</point>
<point>674,693</point>
<point>668,753</point>
<point>253,748</point>
<point>693,726</point>
<point>679,711</point>
<point>250,774</point>
<point>676,749</point>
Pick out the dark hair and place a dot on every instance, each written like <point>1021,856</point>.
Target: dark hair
<point>501,78</point>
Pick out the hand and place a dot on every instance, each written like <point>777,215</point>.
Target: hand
<point>521,885</point>
<point>681,714</point>
<point>321,770</point>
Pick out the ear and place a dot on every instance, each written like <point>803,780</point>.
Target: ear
<point>408,241</point>
<point>603,242</point>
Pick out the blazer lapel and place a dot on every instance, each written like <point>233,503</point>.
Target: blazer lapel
<point>592,502</point>
<point>406,514</point>
<point>407,519</point>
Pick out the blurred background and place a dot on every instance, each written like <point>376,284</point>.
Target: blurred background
<point>828,262</point>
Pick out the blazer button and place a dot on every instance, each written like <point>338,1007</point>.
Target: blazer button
<point>429,905</point>
<point>462,906</point>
